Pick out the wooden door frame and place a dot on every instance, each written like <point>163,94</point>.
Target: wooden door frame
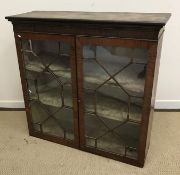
<point>50,37</point>
<point>130,43</point>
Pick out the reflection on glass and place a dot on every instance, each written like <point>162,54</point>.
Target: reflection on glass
<point>132,79</point>
<point>92,73</point>
<point>113,96</point>
<point>48,75</point>
<point>109,104</point>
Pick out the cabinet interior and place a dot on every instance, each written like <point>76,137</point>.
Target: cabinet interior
<point>113,90</point>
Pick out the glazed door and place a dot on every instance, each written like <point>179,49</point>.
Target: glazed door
<point>111,80</point>
<point>48,74</point>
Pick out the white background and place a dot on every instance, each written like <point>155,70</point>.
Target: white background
<point>168,90</point>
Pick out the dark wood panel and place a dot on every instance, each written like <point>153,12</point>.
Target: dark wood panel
<point>115,17</point>
<point>147,118</point>
<point>40,36</point>
<point>90,29</point>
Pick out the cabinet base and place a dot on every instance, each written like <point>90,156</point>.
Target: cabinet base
<point>87,149</point>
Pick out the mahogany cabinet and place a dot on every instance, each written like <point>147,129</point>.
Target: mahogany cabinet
<point>89,79</point>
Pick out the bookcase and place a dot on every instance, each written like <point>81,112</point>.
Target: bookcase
<point>89,78</point>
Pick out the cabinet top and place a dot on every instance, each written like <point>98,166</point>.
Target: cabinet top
<point>114,17</point>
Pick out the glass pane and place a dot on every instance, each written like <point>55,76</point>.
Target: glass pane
<point>92,78</point>
<point>111,142</point>
<point>132,79</point>
<point>48,75</point>
<point>113,95</point>
<point>112,102</point>
<point>135,111</point>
